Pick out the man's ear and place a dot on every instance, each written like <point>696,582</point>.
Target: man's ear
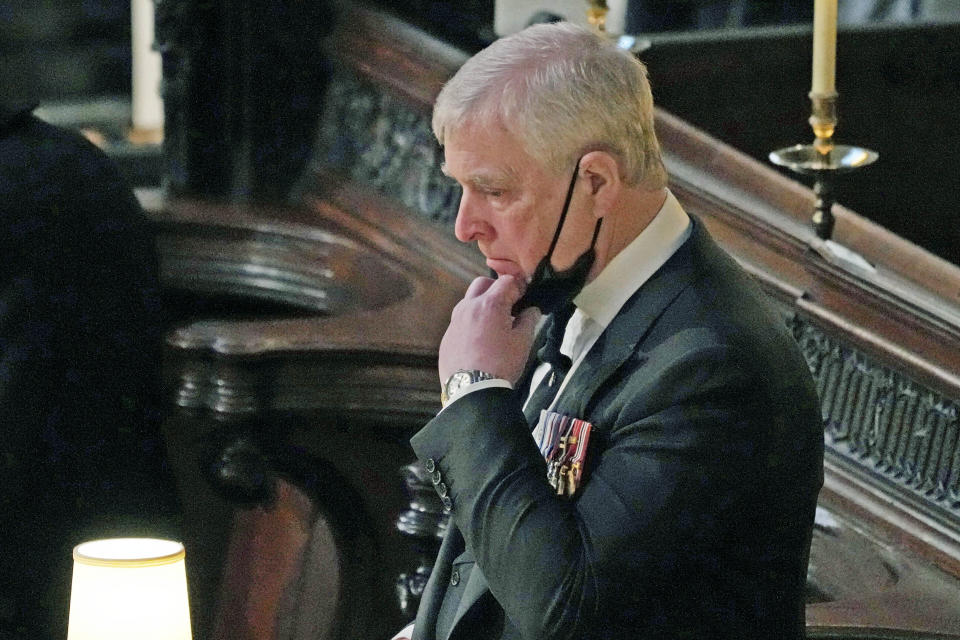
<point>602,172</point>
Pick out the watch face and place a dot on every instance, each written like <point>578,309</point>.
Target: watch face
<point>458,380</point>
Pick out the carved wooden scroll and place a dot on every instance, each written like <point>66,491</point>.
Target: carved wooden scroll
<point>310,361</point>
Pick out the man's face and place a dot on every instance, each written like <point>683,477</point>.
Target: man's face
<point>511,203</point>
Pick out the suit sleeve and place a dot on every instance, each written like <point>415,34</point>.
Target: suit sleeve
<point>663,491</point>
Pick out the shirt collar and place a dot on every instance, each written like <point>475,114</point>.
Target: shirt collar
<point>602,298</point>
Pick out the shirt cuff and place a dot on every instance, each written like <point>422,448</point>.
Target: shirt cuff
<point>404,634</point>
<point>477,386</point>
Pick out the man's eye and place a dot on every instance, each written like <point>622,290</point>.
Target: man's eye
<point>494,193</point>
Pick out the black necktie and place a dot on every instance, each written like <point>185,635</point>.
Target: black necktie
<point>559,364</point>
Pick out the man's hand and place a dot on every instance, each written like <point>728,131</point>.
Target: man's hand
<point>482,333</point>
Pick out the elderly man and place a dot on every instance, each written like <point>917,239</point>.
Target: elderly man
<point>650,467</point>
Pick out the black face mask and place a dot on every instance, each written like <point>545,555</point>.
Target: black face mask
<point>550,289</point>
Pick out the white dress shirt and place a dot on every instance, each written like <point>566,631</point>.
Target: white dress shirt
<point>600,300</point>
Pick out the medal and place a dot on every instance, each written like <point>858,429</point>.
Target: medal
<point>563,441</point>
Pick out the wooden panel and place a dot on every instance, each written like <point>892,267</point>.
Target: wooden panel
<point>308,393</point>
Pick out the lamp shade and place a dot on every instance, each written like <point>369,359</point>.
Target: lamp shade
<point>129,588</point>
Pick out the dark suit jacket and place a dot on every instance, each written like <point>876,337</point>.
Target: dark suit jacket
<point>695,515</point>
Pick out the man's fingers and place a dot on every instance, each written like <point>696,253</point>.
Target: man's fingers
<point>527,320</point>
<point>482,333</point>
<point>478,287</point>
<point>507,289</point>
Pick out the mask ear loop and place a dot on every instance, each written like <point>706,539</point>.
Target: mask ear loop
<point>596,232</point>
<point>566,206</point>
<point>563,215</point>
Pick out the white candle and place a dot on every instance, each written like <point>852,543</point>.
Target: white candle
<point>824,46</point>
<point>147,69</point>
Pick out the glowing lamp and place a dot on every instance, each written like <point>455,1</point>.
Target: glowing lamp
<point>129,588</point>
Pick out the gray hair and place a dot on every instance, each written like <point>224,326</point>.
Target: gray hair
<point>563,91</point>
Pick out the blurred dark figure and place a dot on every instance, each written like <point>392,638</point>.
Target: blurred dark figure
<point>80,343</point>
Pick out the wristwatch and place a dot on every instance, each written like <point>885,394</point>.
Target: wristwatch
<point>459,381</point>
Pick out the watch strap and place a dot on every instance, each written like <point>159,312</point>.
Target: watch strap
<point>460,380</point>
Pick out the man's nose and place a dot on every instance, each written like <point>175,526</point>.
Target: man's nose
<point>470,224</point>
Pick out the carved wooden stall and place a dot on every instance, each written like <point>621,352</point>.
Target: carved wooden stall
<point>299,416</point>
<point>309,360</point>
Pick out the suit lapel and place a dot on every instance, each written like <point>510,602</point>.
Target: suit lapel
<point>619,340</point>
<point>523,384</point>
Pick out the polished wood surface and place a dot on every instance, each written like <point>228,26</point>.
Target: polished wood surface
<point>299,389</point>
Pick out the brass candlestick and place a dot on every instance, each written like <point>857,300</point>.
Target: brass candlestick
<point>597,15</point>
<point>597,11</point>
<point>823,159</point>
